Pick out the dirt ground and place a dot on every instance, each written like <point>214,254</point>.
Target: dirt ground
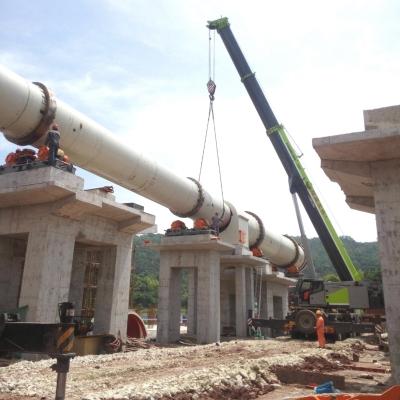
<point>236,369</point>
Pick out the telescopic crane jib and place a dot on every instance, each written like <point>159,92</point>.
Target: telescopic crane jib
<point>298,179</point>
<point>339,299</point>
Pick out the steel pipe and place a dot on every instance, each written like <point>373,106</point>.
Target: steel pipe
<point>26,107</point>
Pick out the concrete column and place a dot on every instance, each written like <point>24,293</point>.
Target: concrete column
<point>387,209</point>
<point>6,255</point>
<point>264,301</point>
<point>77,278</point>
<point>169,300</point>
<point>8,276</point>
<point>112,296</point>
<point>12,256</point>
<point>192,301</point>
<point>241,306</point>
<point>47,270</point>
<point>175,305</point>
<point>265,308</point>
<point>249,292</point>
<point>285,301</point>
<point>227,289</point>
<point>208,297</point>
<point>270,299</point>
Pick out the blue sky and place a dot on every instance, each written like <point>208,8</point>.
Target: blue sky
<point>140,69</point>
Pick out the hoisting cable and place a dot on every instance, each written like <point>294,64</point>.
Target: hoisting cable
<point>211,87</point>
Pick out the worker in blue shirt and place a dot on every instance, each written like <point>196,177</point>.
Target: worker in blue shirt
<point>215,220</point>
<point>53,143</point>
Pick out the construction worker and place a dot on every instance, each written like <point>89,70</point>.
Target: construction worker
<point>306,295</point>
<point>53,142</point>
<point>215,220</point>
<point>320,327</point>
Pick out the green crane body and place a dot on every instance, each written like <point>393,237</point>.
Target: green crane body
<point>350,293</point>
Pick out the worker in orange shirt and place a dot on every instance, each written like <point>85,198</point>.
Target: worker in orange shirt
<point>320,327</point>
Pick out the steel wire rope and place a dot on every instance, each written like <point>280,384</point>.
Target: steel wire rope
<point>211,86</point>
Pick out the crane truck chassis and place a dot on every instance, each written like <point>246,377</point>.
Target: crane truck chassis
<point>332,297</point>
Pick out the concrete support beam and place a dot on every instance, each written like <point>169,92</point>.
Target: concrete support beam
<point>12,255</point>
<point>112,297</point>
<point>192,301</point>
<point>249,292</point>
<point>361,203</point>
<point>351,169</point>
<point>47,270</point>
<point>169,300</point>
<point>77,278</point>
<point>241,304</point>
<point>377,147</point>
<point>208,297</point>
<point>387,206</point>
<point>264,310</point>
<point>175,304</point>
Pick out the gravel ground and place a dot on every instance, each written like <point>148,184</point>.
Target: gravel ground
<point>228,370</point>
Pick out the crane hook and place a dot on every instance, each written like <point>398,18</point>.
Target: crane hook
<point>211,86</point>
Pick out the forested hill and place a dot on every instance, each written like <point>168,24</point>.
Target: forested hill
<point>146,264</point>
<point>364,256</point>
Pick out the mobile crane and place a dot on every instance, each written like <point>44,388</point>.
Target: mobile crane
<point>337,299</point>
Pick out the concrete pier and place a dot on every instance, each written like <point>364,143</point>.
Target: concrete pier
<point>59,242</point>
<point>201,256</point>
<point>366,165</point>
<point>220,285</point>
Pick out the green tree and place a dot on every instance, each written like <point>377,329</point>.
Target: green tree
<point>144,291</point>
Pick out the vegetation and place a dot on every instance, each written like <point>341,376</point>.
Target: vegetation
<point>146,265</point>
<point>145,271</point>
<point>145,274</point>
<point>364,255</point>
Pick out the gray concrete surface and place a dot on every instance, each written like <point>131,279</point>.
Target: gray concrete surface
<point>201,255</point>
<point>220,284</point>
<point>366,165</point>
<point>48,224</point>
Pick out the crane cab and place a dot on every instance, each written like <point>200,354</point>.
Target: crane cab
<point>317,293</point>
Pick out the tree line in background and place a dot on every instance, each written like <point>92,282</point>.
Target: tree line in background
<point>146,266</point>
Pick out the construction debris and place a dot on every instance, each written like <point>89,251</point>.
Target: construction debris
<point>243,369</point>
<point>133,344</point>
